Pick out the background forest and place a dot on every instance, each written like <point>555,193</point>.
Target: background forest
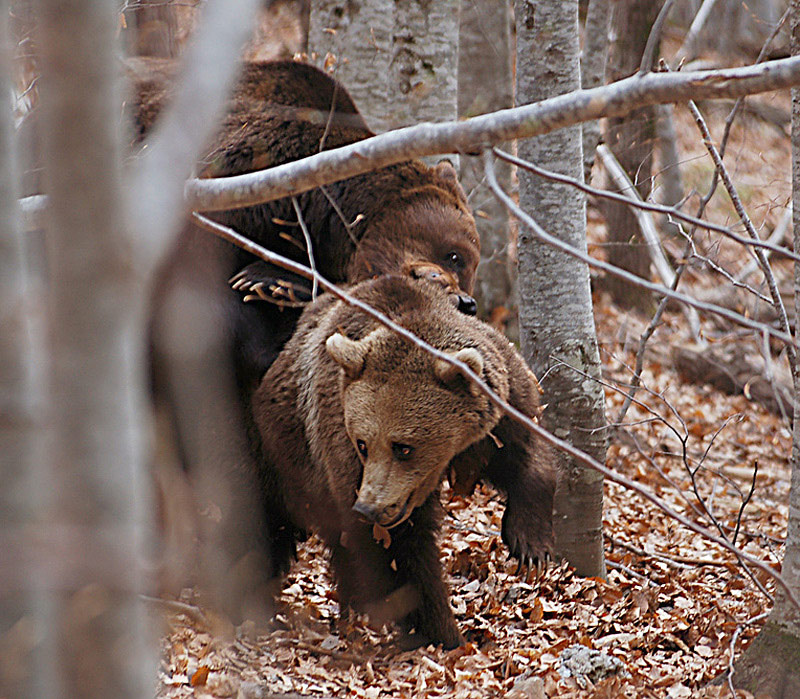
<point>673,383</point>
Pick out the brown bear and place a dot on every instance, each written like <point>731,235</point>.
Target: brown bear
<point>358,428</point>
<point>209,350</point>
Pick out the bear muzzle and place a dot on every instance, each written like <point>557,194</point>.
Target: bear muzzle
<point>387,516</point>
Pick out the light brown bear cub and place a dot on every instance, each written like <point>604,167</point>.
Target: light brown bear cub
<point>359,427</point>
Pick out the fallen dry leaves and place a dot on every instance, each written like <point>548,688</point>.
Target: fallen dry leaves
<point>672,603</point>
<point>668,610</point>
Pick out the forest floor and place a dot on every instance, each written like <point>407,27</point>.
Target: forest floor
<point>674,608</point>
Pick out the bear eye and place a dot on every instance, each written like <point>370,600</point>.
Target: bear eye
<point>454,260</point>
<point>402,452</point>
<point>361,445</point>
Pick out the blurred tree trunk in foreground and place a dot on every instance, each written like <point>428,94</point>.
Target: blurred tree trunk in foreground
<point>556,323</point>
<point>485,85</point>
<point>91,520</point>
<point>22,367</point>
<point>770,664</point>
<point>632,139</point>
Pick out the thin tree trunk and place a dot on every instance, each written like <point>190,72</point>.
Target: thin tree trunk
<point>632,139</point>
<point>670,191</point>
<point>96,490</point>
<point>397,58</point>
<point>593,71</point>
<point>485,85</point>
<point>770,665</point>
<point>22,366</point>
<point>556,322</point>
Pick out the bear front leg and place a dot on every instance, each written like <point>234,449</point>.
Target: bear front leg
<point>363,573</point>
<point>416,555</point>
<point>522,468</point>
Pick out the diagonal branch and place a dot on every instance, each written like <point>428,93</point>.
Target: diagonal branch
<point>474,134</point>
<point>239,240</point>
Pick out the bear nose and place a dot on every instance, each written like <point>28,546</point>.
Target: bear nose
<point>368,511</point>
<point>467,305</point>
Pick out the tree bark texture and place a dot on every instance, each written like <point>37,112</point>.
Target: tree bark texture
<point>771,664</point>
<point>556,324</point>
<point>397,58</point>
<point>485,85</point>
<point>96,490</point>
<point>632,139</point>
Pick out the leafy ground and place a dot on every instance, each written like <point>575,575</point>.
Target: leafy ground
<point>674,609</point>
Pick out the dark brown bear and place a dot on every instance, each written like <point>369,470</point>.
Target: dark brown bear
<point>210,350</point>
<point>358,427</point>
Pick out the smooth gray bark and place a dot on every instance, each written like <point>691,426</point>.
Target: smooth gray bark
<point>96,495</point>
<point>556,323</point>
<point>397,58</point>
<point>22,367</point>
<point>486,85</point>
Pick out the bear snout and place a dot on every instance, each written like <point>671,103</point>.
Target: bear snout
<point>467,305</point>
<point>387,516</point>
<point>366,510</point>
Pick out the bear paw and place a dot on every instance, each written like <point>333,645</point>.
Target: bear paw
<point>264,282</point>
<point>528,537</point>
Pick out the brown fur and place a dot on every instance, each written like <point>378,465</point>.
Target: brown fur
<point>345,384</point>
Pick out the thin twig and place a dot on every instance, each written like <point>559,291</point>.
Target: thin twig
<point>672,211</point>
<point>653,40</point>
<point>734,638</point>
<point>309,248</point>
<point>735,318</point>
<point>745,501</point>
<point>777,301</point>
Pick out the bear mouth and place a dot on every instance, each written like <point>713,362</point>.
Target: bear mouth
<point>401,516</point>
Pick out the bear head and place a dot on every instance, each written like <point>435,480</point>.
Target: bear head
<point>419,213</point>
<point>408,414</point>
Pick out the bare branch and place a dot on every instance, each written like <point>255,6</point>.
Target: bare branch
<point>632,278</point>
<point>671,211</point>
<point>474,134</point>
<point>777,301</point>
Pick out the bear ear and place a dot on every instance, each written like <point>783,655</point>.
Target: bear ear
<point>448,374</point>
<point>447,171</point>
<point>349,354</point>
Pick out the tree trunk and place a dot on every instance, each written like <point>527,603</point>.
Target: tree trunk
<point>153,29</point>
<point>742,27</point>
<point>771,664</point>
<point>22,368</point>
<point>556,322</point>
<point>632,139</point>
<point>397,58</point>
<point>95,495</point>
<point>593,72</point>
<point>485,85</point>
